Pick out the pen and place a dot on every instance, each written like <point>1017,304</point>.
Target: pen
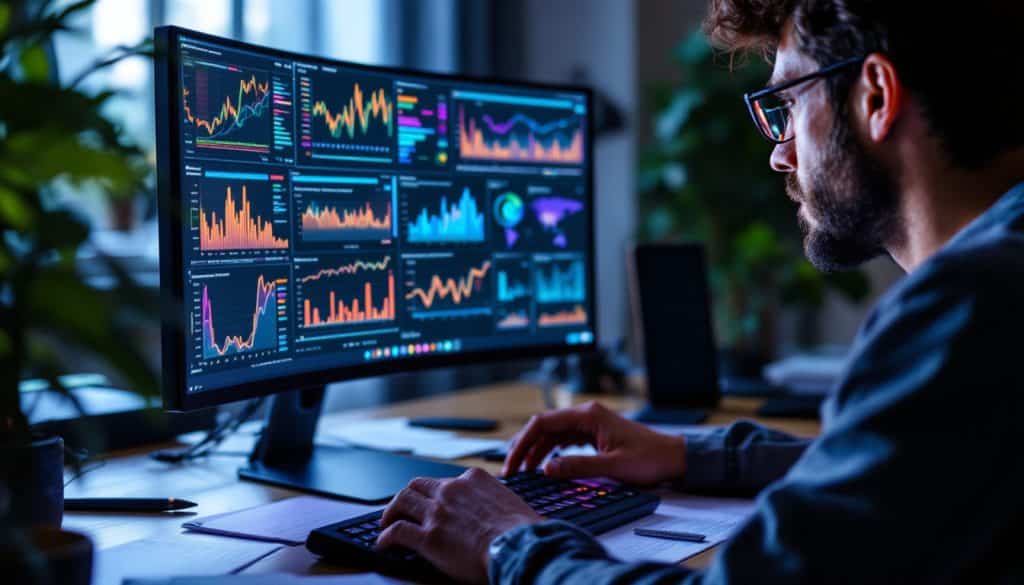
<point>126,504</point>
<point>670,534</point>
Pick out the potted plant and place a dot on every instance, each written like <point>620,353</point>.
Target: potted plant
<point>54,141</point>
<point>706,177</point>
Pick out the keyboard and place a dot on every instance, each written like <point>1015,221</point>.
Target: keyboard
<point>595,505</point>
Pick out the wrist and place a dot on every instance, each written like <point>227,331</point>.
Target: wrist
<point>496,539</point>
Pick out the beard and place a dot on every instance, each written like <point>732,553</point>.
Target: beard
<point>854,201</point>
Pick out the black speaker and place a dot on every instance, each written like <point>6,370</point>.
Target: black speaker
<point>669,290</point>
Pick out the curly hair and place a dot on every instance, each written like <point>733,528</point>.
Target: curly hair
<point>960,62</point>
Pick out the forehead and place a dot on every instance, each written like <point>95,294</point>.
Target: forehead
<point>790,62</point>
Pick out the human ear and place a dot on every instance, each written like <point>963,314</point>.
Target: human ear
<point>878,97</point>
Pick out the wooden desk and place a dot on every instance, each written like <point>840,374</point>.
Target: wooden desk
<point>214,484</point>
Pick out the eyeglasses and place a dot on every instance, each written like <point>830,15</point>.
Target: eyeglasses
<point>770,111</point>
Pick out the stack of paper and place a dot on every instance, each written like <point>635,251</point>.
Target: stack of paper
<point>716,518</point>
<point>395,434</point>
<point>286,521</point>
<point>169,556</point>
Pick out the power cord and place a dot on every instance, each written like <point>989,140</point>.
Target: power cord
<point>205,447</point>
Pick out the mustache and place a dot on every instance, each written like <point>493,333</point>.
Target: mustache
<point>793,189</point>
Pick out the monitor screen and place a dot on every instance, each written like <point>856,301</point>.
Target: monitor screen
<point>323,220</point>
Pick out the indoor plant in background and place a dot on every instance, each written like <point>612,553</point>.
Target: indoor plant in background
<point>54,140</point>
<point>706,177</point>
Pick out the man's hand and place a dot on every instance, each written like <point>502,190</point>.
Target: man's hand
<point>627,451</point>
<point>451,522</point>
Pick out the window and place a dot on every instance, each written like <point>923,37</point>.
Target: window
<point>343,29</point>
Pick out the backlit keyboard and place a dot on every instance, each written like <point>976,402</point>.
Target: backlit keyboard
<point>593,504</point>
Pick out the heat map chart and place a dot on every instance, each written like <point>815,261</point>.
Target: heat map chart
<point>422,126</point>
<point>345,119</point>
<point>333,209</point>
<point>443,290</point>
<point>241,213</point>
<point>503,128</point>
<point>534,215</point>
<point>441,212</point>
<point>240,313</point>
<point>341,293</point>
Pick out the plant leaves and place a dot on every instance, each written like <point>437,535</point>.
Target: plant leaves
<point>34,64</point>
<point>45,154</point>
<point>14,210</point>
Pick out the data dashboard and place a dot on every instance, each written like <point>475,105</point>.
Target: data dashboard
<point>337,215</point>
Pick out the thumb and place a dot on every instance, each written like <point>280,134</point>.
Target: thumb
<point>573,466</point>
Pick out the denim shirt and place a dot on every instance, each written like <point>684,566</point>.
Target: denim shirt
<point>917,475</point>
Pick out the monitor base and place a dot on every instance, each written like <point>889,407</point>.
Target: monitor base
<point>352,473</point>
<point>285,456</point>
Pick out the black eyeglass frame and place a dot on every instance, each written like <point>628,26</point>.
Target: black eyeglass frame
<point>752,97</point>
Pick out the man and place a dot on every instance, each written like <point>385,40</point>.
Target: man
<point>897,127</point>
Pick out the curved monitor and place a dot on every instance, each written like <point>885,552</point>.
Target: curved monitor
<point>322,221</point>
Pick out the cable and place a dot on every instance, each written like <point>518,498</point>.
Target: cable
<point>205,447</point>
<point>80,458</point>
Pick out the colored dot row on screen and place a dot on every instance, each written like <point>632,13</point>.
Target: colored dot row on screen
<point>412,349</point>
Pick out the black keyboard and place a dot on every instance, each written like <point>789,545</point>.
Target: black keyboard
<point>592,504</point>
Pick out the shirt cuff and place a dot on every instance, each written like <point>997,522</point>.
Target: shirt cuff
<point>526,550</point>
<point>707,462</point>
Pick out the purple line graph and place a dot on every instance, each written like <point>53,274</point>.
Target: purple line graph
<point>503,128</point>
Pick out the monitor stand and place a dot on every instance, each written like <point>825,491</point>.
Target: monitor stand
<point>285,456</point>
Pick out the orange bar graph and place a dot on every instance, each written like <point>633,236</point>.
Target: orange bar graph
<point>577,316</point>
<point>239,229</point>
<point>340,313</point>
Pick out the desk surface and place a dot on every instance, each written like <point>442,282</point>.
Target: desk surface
<point>214,484</point>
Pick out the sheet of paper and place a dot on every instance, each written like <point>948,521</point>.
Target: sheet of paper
<point>273,579</point>
<point>168,556</point>
<point>285,521</point>
<point>714,517</point>
<point>395,434</point>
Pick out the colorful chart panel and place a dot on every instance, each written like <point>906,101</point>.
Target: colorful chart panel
<point>537,215</point>
<point>508,128</point>
<point>240,313</point>
<point>422,126</point>
<point>442,212</point>
<point>343,211</point>
<point>238,213</point>
<point>345,118</point>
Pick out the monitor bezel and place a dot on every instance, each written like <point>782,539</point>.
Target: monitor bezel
<point>173,359</point>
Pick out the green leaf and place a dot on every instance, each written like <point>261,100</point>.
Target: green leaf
<point>40,156</point>
<point>13,209</point>
<point>34,64</point>
<point>5,17</point>
<point>92,323</point>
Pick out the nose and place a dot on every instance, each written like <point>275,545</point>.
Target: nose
<point>783,159</point>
